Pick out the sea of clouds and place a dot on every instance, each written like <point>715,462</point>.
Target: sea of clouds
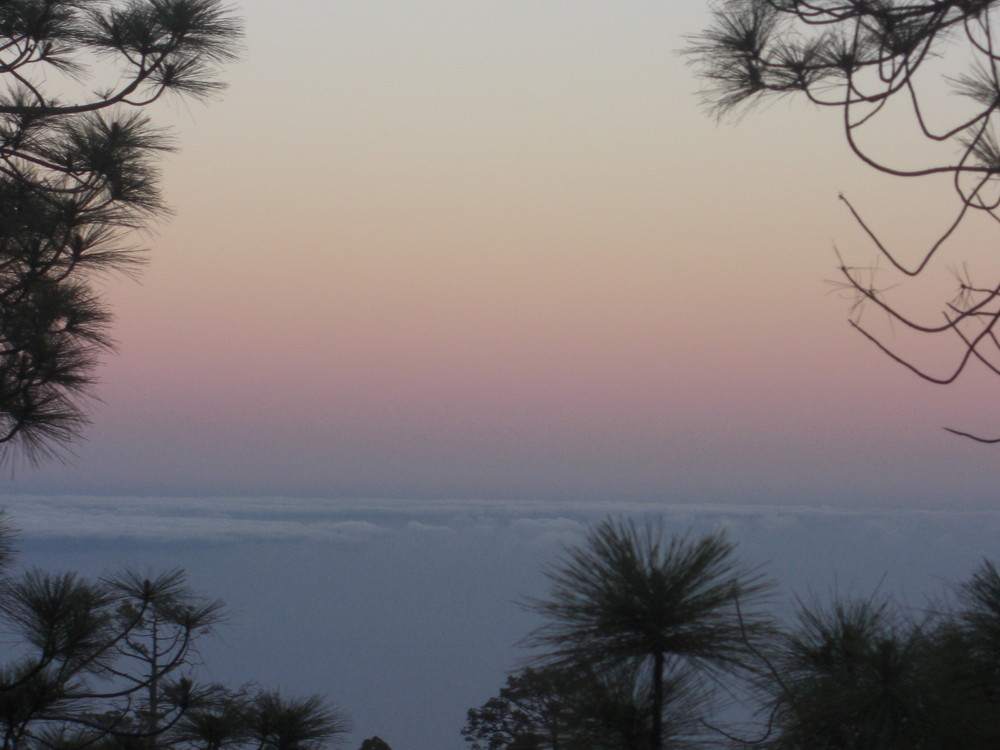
<point>403,612</point>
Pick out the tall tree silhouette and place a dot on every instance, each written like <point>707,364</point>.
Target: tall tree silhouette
<point>631,593</point>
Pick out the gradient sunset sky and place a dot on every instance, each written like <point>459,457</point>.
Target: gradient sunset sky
<point>460,249</point>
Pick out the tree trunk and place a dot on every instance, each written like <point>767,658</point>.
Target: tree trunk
<point>656,740</point>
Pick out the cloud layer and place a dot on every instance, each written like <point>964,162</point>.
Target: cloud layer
<point>403,611</point>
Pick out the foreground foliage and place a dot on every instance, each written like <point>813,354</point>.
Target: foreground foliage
<point>863,674</point>
<point>580,709</point>
<point>848,674</point>
<point>672,605</point>
<point>112,664</point>
<point>76,176</point>
<point>917,88</point>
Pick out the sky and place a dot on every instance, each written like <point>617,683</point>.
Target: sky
<point>499,250</point>
<point>445,282</point>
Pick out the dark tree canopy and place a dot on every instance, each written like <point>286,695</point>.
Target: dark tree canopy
<point>849,673</point>
<point>926,71</point>
<point>77,175</point>
<point>631,593</point>
<point>870,674</point>
<point>531,711</point>
<point>112,664</point>
<point>605,708</point>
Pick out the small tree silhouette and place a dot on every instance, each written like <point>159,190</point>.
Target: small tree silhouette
<point>111,664</point>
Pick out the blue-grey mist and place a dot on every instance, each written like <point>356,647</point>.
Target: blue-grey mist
<point>403,613</point>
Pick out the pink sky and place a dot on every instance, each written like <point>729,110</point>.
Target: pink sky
<point>444,249</point>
